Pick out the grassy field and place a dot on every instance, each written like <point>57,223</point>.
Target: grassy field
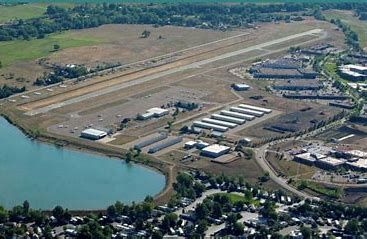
<point>319,189</point>
<point>21,50</point>
<point>25,11</point>
<point>360,27</point>
<point>234,198</point>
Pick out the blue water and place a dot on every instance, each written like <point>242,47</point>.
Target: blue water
<point>48,176</point>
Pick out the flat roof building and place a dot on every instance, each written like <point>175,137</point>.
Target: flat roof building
<point>241,87</point>
<point>154,112</point>
<point>305,158</point>
<point>93,134</point>
<point>237,115</point>
<point>219,122</point>
<point>190,144</point>
<point>256,108</point>
<point>210,126</point>
<point>215,150</point>
<point>329,163</point>
<point>247,111</point>
<point>228,119</point>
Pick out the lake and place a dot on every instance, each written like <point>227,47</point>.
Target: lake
<point>48,176</point>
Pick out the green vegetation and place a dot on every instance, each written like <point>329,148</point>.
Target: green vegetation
<point>320,189</point>
<point>21,50</point>
<point>356,25</point>
<point>22,11</point>
<point>236,198</point>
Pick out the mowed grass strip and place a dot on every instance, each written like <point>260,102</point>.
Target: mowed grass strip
<point>22,50</point>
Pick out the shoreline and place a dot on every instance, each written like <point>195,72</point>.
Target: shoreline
<point>92,147</point>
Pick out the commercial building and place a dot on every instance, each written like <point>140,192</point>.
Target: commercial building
<point>237,115</point>
<point>93,134</point>
<point>215,150</point>
<point>240,87</point>
<point>219,122</point>
<point>204,125</point>
<point>153,112</point>
<point>256,108</point>
<point>329,163</point>
<point>190,144</point>
<point>360,165</point>
<point>247,111</point>
<point>228,119</point>
<point>201,144</point>
<point>305,158</point>
<point>353,72</point>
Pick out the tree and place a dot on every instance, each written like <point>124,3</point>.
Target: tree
<point>26,207</point>
<point>306,232</point>
<point>1,64</point>
<point>4,216</point>
<point>202,227</point>
<point>145,34</point>
<point>238,229</point>
<point>56,47</point>
<point>352,227</point>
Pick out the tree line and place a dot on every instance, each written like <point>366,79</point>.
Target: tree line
<point>208,15</point>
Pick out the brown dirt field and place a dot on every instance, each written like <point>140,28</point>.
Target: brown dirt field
<point>125,45</point>
<point>290,168</point>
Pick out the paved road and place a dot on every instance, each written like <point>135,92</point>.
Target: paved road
<point>158,75</point>
<point>260,158</point>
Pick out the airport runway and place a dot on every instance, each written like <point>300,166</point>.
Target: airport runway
<point>154,76</point>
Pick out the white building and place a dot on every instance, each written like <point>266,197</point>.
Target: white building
<point>215,150</point>
<point>241,87</point>
<point>228,119</point>
<point>219,122</point>
<point>210,126</point>
<point>154,112</point>
<point>247,111</point>
<point>93,134</point>
<point>251,107</point>
<point>237,115</point>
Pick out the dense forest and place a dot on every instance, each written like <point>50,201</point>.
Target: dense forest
<point>206,15</point>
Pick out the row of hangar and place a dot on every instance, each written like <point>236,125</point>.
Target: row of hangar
<point>231,118</point>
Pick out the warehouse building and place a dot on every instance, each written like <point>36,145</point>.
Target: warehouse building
<point>201,144</point>
<point>305,158</point>
<point>256,108</point>
<point>219,122</point>
<point>228,119</point>
<point>153,112</point>
<point>215,150</point>
<point>237,115</point>
<point>190,144</point>
<point>93,134</point>
<point>247,111</point>
<point>204,125</point>
<point>353,72</point>
<point>165,144</point>
<point>329,163</point>
<point>151,140</point>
